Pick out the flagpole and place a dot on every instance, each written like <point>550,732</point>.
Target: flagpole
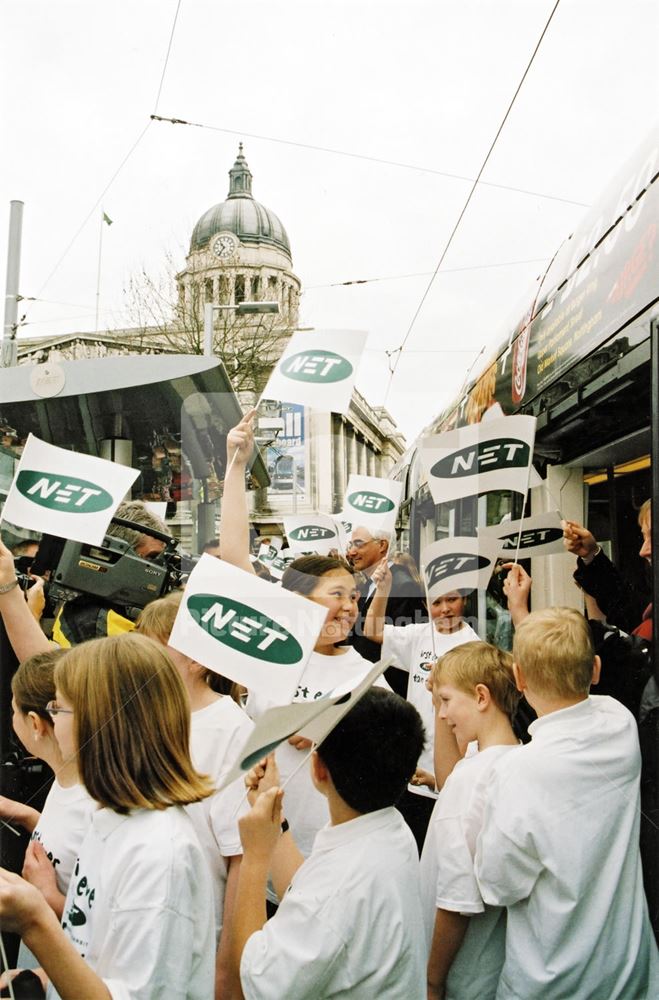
<point>432,624</point>
<point>521,522</point>
<point>98,271</point>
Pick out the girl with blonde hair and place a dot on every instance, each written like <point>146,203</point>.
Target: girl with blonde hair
<point>138,917</point>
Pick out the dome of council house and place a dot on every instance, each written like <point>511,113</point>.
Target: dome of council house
<point>241,215</point>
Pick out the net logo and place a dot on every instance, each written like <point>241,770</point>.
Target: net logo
<point>282,562</point>
<point>76,496</point>
<point>457,562</point>
<point>374,503</point>
<point>310,533</point>
<point>318,366</point>
<point>538,536</point>
<point>486,456</point>
<point>244,629</point>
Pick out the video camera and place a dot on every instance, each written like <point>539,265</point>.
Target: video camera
<point>112,572</point>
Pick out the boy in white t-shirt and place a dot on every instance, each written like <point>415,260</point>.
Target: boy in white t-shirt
<point>350,923</point>
<point>413,649</point>
<point>559,841</point>
<point>474,692</point>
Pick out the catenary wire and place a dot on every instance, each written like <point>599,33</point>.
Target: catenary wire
<point>426,292</point>
<point>122,163</point>
<point>362,156</point>
<point>425,274</point>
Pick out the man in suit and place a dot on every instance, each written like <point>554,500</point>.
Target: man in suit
<point>406,602</point>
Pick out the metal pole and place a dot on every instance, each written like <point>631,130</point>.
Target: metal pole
<point>654,424</point>
<point>9,354</point>
<point>98,270</point>
<point>208,328</point>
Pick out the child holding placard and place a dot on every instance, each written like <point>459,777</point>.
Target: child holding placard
<point>349,924</point>
<point>413,649</point>
<point>325,580</point>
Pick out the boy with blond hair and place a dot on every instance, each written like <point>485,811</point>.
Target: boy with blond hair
<point>559,841</point>
<point>474,694</point>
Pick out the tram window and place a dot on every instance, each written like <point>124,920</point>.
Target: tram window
<point>499,506</point>
<point>442,517</point>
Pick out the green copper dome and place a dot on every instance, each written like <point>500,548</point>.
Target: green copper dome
<point>240,214</point>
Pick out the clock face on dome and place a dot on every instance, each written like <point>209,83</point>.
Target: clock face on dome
<point>224,246</point>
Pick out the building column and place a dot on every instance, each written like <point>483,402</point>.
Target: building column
<point>338,460</point>
<point>353,462</point>
<point>363,461</point>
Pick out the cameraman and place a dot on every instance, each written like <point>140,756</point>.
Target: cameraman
<point>89,617</point>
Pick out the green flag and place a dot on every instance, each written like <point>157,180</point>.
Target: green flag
<point>106,218</point>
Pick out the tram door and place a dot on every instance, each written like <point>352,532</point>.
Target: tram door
<point>614,497</point>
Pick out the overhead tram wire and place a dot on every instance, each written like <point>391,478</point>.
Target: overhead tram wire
<point>95,206</point>
<point>169,49</point>
<point>123,162</point>
<point>399,350</point>
<point>363,156</point>
<point>425,274</point>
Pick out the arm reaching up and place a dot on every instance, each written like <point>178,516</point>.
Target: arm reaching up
<point>374,621</point>
<point>580,541</point>
<point>517,587</point>
<point>234,520</point>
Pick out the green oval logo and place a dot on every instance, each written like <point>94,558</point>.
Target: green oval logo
<point>486,456</point>
<point>243,628</point>
<point>317,366</point>
<point>311,533</point>
<point>373,503</point>
<point>65,493</point>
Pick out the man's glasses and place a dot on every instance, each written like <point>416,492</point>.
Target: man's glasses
<point>359,544</point>
<point>53,709</point>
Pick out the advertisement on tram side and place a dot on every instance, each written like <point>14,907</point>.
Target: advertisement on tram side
<point>603,276</point>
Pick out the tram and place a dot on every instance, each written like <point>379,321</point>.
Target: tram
<point>580,360</point>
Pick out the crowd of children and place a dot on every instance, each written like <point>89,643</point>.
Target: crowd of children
<point>142,881</point>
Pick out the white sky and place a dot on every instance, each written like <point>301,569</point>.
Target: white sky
<point>423,82</point>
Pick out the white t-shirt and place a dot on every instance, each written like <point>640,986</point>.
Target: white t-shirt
<point>218,733</point>
<point>139,907</point>
<point>350,924</point>
<point>412,649</point>
<point>448,881</point>
<point>559,848</point>
<point>61,828</point>
<point>305,808</point>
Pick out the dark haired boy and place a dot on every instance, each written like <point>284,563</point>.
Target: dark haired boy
<point>350,923</point>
